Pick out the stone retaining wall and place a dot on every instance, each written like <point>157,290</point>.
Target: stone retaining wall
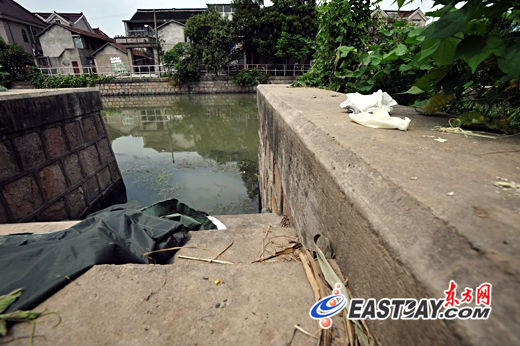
<point>162,86</point>
<point>405,213</point>
<point>56,162</point>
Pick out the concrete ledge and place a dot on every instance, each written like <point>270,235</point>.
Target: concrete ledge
<point>30,108</point>
<point>381,196</point>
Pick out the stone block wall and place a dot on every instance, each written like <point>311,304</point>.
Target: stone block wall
<point>162,86</point>
<point>56,162</point>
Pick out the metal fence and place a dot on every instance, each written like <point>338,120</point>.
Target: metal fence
<point>158,70</point>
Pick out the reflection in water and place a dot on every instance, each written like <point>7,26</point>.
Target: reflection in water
<point>201,149</point>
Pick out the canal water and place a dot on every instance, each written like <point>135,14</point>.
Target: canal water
<point>200,149</point>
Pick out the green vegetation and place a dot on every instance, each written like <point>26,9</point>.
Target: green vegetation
<point>251,77</point>
<point>212,35</point>
<point>4,76</point>
<point>282,33</point>
<point>475,51</point>
<point>19,316</point>
<point>183,60</point>
<point>465,63</point>
<point>342,24</point>
<point>13,63</point>
<point>41,81</point>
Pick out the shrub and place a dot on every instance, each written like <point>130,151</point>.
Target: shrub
<point>4,79</point>
<point>245,78</point>
<point>465,63</point>
<point>341,23</point>
<point>41,81</point>
<point>251,77</point>
<point>183,62</point>
<point>262,77</point>
<point>14,61</point>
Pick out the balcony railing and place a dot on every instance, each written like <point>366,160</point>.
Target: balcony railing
<point>139,33</point>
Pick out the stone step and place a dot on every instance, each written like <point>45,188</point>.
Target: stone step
<point>246,236</point>
<point>180,303</point>
<point>231,221</point>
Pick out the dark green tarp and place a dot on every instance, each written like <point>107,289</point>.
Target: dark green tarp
<point>172,209</point>
<point>42,264</point>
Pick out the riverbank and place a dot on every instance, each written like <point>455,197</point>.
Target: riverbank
<point>208,84</point>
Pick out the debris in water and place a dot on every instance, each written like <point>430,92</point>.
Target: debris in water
<point>451,193</point>
<point>440,140</point>
<point>217,282</point>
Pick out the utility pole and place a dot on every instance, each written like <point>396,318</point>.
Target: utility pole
<point>156,55</point>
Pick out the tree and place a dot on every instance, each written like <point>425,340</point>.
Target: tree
<point>246,16</point>
<point>15,60</point>
<point>281,32</point>
<point>293,46</point>
<point>184,62</point>
<point>212,34</point>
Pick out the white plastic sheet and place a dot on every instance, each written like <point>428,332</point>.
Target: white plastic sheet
<point>218,223</point>
<point>373,111</point>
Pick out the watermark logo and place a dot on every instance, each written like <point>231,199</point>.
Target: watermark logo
<point>450,307</point>
<point>329,306</point>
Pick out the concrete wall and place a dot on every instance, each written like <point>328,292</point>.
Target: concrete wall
<point>102,58</point>
<point>161,86</point>
<point>55,40</point>
<point>169,35</point>
<point>405,214</point>
<point>56,162</point>
<point>3,30</point>
<point>13,34</point>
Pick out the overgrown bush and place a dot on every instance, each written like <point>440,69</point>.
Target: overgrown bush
<point>251,77</point>
<point>475,49</point>
<point>41,81</point>
<point>183,62</point>
<point>388,65</point>
<point>4,79</point>
<point>342,23</point>
<point>262,77</point>
<point>14,61</point>
<point>465,63</point>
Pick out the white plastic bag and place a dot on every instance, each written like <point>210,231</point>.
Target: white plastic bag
<point>373,111</point>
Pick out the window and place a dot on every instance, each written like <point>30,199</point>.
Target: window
<point>78,42</point>
<point>24,36</point>
<point>57,21</point>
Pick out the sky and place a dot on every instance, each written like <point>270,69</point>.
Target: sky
<point>108,15</point>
